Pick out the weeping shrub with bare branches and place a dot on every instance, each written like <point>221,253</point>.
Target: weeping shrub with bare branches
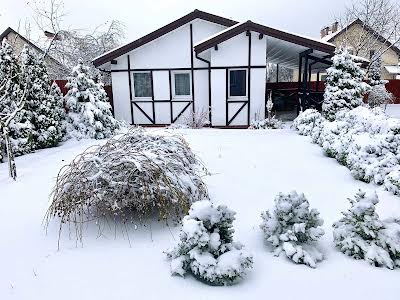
<point>130,177</point>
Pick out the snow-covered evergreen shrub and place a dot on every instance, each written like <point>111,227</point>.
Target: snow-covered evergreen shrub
<point>11,75</point>
<point>362,235</point>
<point>392,182</point>
<point>89,112</point>
<point>307,121</point>
<point>375,70</point>
<point>292,227</point>
<point>344,85</point>
<point>269,123</point>
<point>132,176</point>
<point>45,112</point>
<point>379,95</point>
<point>206,247</point>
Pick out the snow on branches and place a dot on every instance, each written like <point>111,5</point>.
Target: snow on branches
<point>344,85</point>
<point>133,176</point>
<point>364,140</point>
<point>89,112</point>
<point>292,227</point>
<point>206,247</point>
<point>362,235</point>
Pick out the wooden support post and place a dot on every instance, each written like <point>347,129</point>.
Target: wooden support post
<point>277,73</point>
<point>318,74</point>
<point>305,84</point>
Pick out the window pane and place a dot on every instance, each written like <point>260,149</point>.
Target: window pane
<point>142,84</point>
<point>182,84</point>
<point>237,84</point>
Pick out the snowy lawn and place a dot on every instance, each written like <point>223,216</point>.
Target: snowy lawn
<point>249,168</point>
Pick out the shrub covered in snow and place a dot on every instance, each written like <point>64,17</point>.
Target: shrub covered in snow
<point>392,181</point>
<point>344,85</point>
<point>292,227</point>
<point>364,140</point>
<point>206,247</point>
<point>269,123</point>
<point>362,235</point>
<point>379,95</point>
<point>307,121</point>
<point>89,112</point>
<point>132,176</point>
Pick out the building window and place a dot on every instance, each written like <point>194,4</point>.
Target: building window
<point>142,85</point>
<point>371,53</point>
<point>182,84</point>
<point>237,83</point>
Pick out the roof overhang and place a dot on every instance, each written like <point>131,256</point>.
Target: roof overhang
<point>308,43</point>
<point>196,14</point>
<point>394,70</point>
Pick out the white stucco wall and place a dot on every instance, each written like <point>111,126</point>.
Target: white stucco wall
<point>171,51</point>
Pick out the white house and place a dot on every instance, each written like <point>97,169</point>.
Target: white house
<point>206,62</point>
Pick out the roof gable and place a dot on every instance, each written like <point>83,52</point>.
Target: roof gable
<point>10,30</point>
<point>272,32</point>
<point>196,14</point>
<point>368,29</point>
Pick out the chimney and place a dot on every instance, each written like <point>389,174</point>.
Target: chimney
<point>324,32</point>
<point>335,26</point>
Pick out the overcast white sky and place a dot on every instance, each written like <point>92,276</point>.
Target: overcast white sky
<point>304,17</point>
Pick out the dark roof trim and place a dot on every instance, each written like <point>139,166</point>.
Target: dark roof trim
<point>196,14</point>
<point>370,30</point>
<point>261,29</point>
<point>10,30</point>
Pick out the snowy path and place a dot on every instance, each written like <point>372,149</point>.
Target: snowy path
<point>250,168</point>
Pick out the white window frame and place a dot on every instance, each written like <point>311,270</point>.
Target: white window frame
<point>180,97</point>
<point>229,84</point>
<point>133,86</point>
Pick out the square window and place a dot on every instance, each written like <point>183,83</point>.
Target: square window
<point>237,83</point>
<point>182,84</point>
<point>142,85</point>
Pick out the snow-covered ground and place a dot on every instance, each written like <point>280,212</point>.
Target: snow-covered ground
<point>249,168</point>
<point>393,110</point>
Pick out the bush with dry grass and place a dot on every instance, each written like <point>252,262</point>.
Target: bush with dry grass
<point>130,178</point>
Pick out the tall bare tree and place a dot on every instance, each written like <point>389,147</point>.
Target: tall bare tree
<point>380,26</point>
<point>69,45</point>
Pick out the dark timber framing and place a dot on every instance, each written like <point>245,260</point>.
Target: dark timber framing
<point>192,64</point>
<point>196,14</point>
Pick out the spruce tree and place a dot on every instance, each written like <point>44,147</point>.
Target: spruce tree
<point>344,85</point>
<point>378,94</point>
<point>89,112</point>
<point>10,75</point>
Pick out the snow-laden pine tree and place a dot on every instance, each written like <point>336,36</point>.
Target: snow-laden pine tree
<point>291,227</point>
<point>362,235</point>
<point>20,127</point>
<point>89,112</point>
<point>41,108</point>
<point>206,247</point>
<point>378,94</point>
<point>344,85</point>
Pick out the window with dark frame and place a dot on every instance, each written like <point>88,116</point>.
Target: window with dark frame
<point>182,84</point>
<point>237,83</point>
<point>142,85</point>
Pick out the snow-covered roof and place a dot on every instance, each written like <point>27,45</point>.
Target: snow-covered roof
<point>393,69</point>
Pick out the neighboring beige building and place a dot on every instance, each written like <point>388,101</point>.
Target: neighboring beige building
<point>18,41</point>
<point>350,36</point>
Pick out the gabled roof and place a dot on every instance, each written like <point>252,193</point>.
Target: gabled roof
<point>268,31</point>
<point>10,30</point>
<point>196,14</point>
<point>331,37</point>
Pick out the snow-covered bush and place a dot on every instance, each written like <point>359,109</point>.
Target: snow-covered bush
<point>344,85</point>
<point>392,182</point>
<point>292,227</point>
<point>362,235</point>
<point>89,112</point>
<point>269,123</point>
<point>132,176</point>
<point>196,119</point>
<point>307,120</point>
<point>206,247</point>
<point>379,95</point>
